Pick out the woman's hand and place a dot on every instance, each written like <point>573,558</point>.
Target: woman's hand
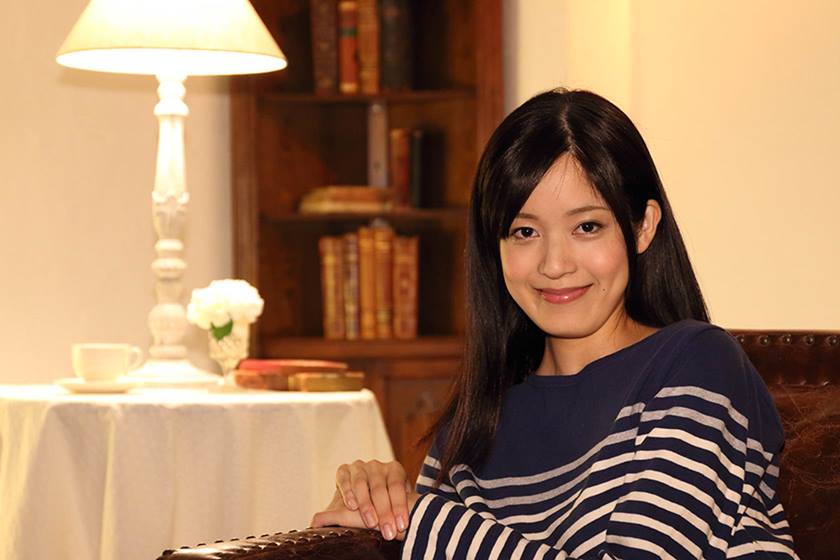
<point>370,494</point>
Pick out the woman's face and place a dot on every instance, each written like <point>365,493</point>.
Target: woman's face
<point>564,260</point>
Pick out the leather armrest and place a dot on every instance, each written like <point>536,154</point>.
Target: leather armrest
<point>327,543</point>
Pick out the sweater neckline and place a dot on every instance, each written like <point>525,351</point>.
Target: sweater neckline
<point>597,364</point>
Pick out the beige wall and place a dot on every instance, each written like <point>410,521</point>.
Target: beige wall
<point>740,105</point>
<point>77,153</point>
<point>737,100</point>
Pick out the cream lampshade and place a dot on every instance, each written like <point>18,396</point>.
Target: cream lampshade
<point>170,39</point>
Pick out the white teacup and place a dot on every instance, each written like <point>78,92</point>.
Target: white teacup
<point>104,361</point>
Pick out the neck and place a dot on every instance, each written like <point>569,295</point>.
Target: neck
<point>568,356</point>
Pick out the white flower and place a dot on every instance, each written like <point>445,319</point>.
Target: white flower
<point>224,301</point>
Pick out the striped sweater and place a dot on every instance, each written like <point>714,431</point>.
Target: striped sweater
<point>667,448</point>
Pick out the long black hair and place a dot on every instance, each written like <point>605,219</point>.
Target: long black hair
<point>503,345</point>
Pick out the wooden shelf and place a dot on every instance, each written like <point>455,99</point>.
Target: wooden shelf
<point>321,348</point>
<point>453,214</point>
<point>392,97</point>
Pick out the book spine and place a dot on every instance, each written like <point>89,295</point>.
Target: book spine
<point>351,286</point>
<point>348,45</point>
<point>323,20</point>
<point>415,179</point>
<point>332,298</point>
<point>396,45</point>
<point>377,144</point>
<point>383,238</point>
<point>367,286</point>
<point>405,287</point>
<point>369,46</point>
<point>399,145</point>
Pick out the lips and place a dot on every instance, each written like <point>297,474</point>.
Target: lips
<point>565,295</point>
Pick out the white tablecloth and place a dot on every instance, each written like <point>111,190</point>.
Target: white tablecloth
<point>122,477</point>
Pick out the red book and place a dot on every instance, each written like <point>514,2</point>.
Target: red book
<point>324,23</point>
<point>348,45</point>
<point>399,165</point>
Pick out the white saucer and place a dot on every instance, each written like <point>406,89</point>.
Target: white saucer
<point>77,385</point>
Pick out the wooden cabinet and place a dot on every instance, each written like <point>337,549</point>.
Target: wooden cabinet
<point>287,140</point>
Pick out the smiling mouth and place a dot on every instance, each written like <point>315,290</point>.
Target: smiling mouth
<point>565,295</point>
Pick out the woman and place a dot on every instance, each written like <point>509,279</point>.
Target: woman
<point>599,414</point>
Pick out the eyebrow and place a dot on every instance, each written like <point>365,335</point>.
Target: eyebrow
<point>572,212</point>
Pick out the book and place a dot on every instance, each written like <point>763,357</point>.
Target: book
<point>345,198</point>
<point>405,287</point>
<point>415,166</point>
<point>377,137</point>
<point>396,66</point>
<point>332,297</point>
<point>368,40</point>
<point>327,381</point>
<point>383,237</point>
<point>348,45</point>
<point>324,27</point>
<point>367,286</point>
<point>350,280</point>
<point>399,148</point>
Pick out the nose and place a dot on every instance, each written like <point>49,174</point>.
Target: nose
<point>556,260</point>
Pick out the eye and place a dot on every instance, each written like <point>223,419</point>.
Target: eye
<point>523,232</point>
<point>590,227</point>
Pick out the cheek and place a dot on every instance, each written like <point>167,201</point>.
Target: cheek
<point>610,267</point>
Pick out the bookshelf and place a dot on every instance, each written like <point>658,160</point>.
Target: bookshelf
<point>286,140</point>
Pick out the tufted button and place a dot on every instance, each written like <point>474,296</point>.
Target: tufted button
<point>832,340</point>
<point>741,338</point>
<point>808,339</point>
<point>764,340</point>
<point>786,339</point>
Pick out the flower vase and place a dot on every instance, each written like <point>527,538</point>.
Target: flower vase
<point>229,351</point>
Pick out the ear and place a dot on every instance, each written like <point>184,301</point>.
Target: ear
<point>647,230</point>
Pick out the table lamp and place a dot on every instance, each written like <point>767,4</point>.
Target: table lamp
<point>170,39</point>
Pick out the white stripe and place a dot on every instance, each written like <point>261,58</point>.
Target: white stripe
<point>759,546</point>
<point>520,548</point>
<point>757,519</point>
<point>617,437</point>
<point>640,544</point>
<point>598,466</point>
<point>686,488</point>
<point>496,552</point>
<point>478,538</point>
<point>699,418</point>
<point>697,442</point>
<point>709,396</point>
<point>414,523</point>
<point>755,445</point>
<point>592,542</point>
<point>430,483</point>
<point>432,538</point>
<point>689,464</point>
<point>659,527</point>
<point>681,511</point>
<point>458,532</point>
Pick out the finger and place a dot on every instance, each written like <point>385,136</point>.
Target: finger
<point>360,485</point>
<point>342,517</point>
<point>342,482</point>
<point>380,495</point>
<point>397,494</point>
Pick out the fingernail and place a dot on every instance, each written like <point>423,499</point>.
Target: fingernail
<point>370,520</point>
<point>388,531</point>
<point>351,502</point>
<point>400,523</point>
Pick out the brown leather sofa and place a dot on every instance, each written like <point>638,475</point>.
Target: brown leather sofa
<point>802,370</point>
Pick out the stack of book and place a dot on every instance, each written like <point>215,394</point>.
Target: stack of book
<point>369,284</point>
<point>361,46</point>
